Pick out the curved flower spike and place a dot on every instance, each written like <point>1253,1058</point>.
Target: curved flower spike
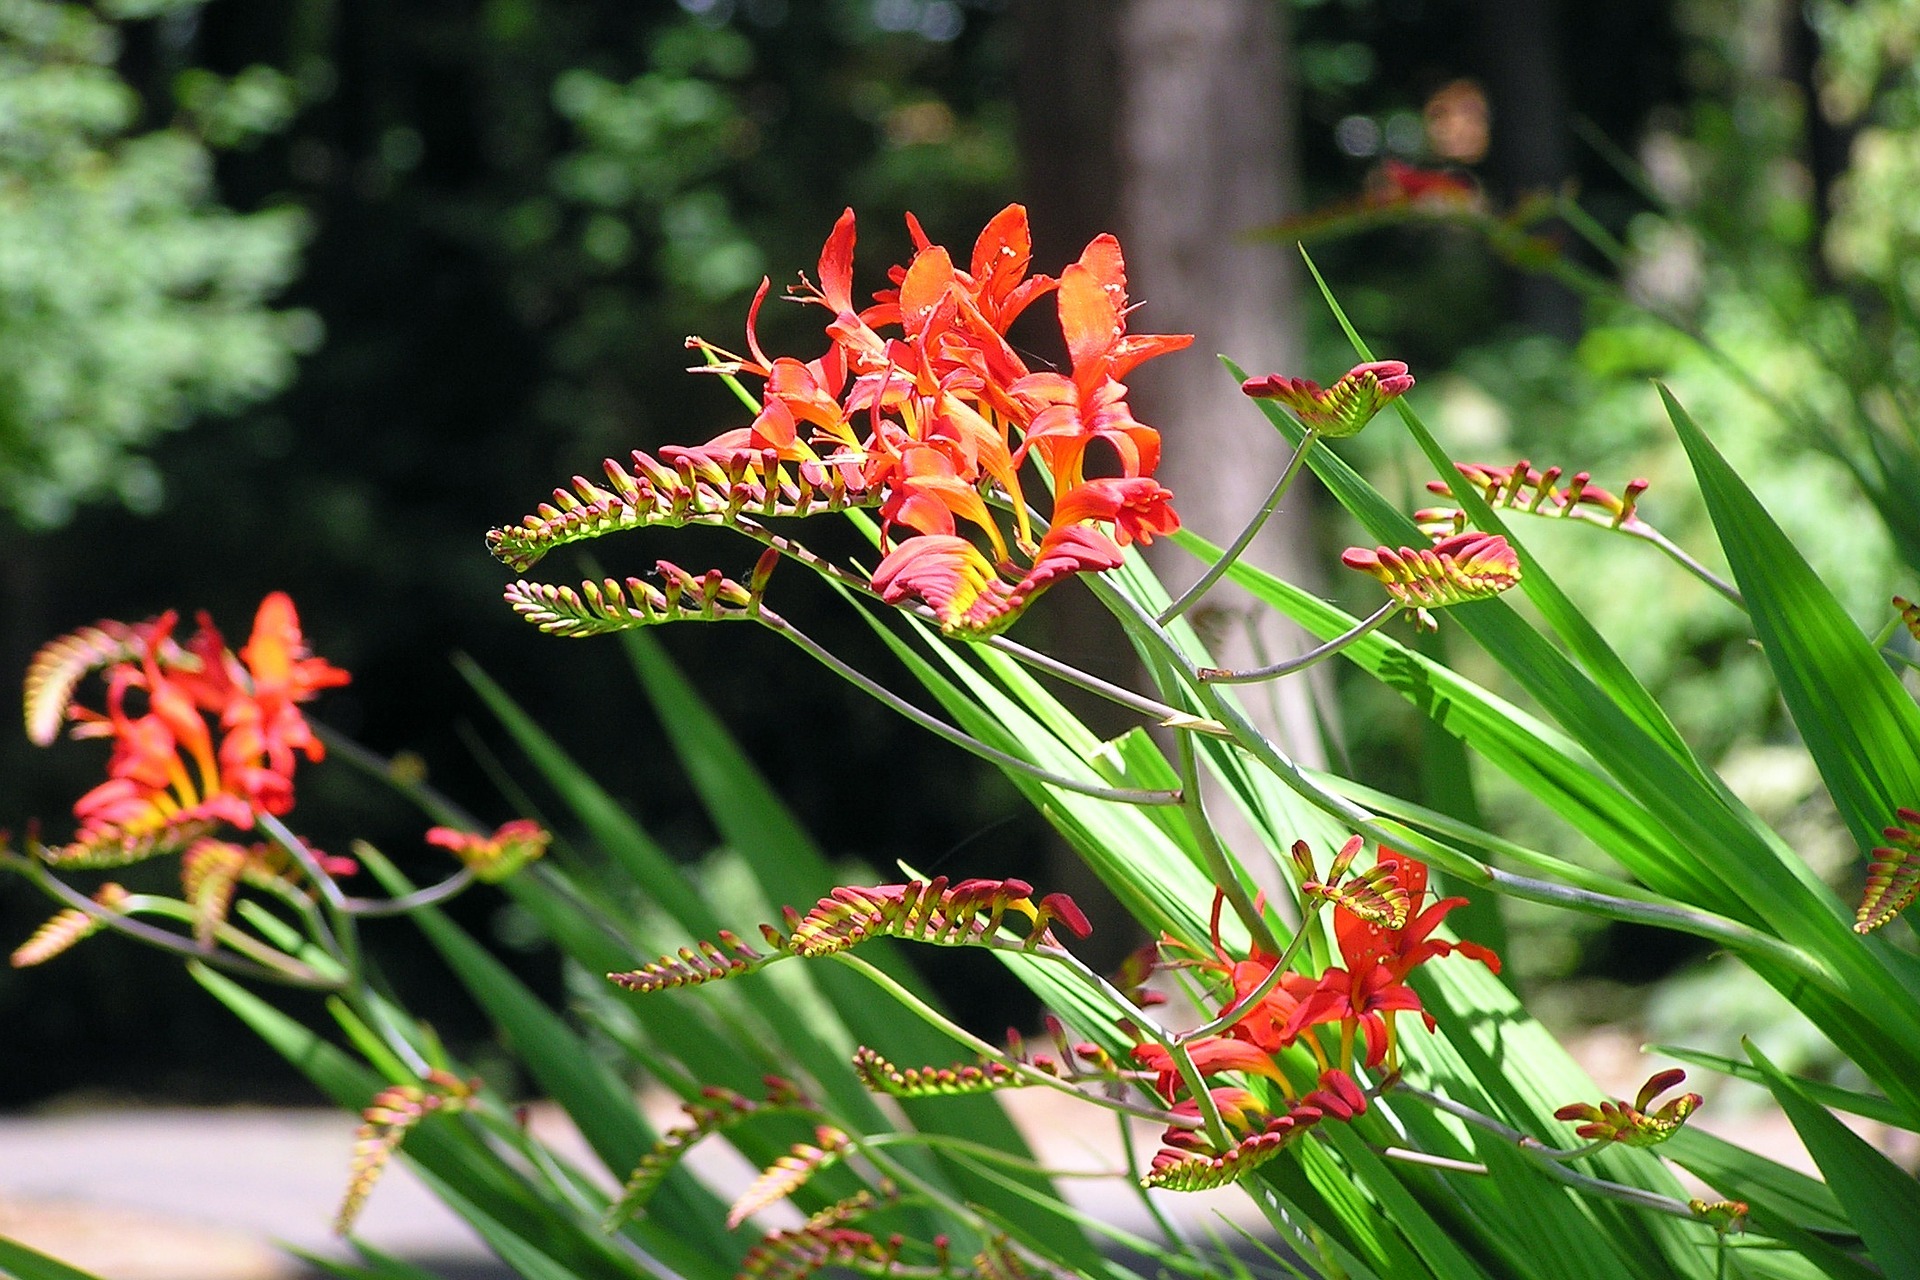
<point>1909,615</point>
<point>789,1173</point>
<point>387,1120</point>
<point>1454,570</point>
<point>729,957</point>
<point>1343,408</point>
<point>882,1076</point>
<point>1521,488</point>
<point>598,608</point>
<point>718,1109</point>
<point>809,1251</point>
<point>1893,877</point>
<point>60,665</point>
<point>1728,1217</point>
<point>68,928</point>
<point>715,487</point>
<point>972,911</point>
<point>1634,1125</point>
<point>1338,1097</point>
<point>1375,896</point>
<point>965,590</point>
<point>493,858</point>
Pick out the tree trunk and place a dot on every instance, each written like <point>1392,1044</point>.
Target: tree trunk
<point>1170,123</point>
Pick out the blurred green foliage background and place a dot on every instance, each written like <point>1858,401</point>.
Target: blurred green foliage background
<point>307,296</point>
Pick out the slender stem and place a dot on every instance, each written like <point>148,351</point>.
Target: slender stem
<point>271,966</point>
<point>1300,662</point>
<point>1219,861</point>
<point>1171,717</point>
<point>451,887</point>
<point>1026,1071</point>
<point>965,741</point>
<point>1238,1009</point>
<point>1219,567</point>
<point>1406,1155</point>
<point>346,934</point>
<point>1479,1119</point>
<point>1692,566</point>
<point>1549,1160</point>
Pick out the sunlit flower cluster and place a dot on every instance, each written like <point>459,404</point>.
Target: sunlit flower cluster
<point>202,736</point>
<point>1344,1016</point>
<point>922,405</point>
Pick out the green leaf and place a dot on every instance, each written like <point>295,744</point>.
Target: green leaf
<point>1867,1105</point>
<point>1880,1199</point>
<point>1861,727</point>
<point>1745,1175</point>
<point>567,1069</point>
<point>22,1263</point>
<point>448,1155</point>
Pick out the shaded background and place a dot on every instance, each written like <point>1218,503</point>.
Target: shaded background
<point>308,296</point>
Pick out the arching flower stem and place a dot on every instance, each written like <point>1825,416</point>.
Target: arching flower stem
<point>1219,567</point>
<point>451,887</point>
<point>1219,863</point>
<point>1300,662</point>
<point>1167,716</point>
<point>247,957</point>
<point>941,729</point>
<point>1720,585</point>
<point>1549,1160</point>
<point>342,934</point>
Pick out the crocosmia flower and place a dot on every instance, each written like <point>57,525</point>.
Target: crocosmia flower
<point>202,737</point>
<point>922,410</point>
<point>1456,569</point>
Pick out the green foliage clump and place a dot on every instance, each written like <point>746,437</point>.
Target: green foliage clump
<point>131,300</point>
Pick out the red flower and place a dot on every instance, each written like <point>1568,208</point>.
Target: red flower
<point>1138,507</point>
<point>1371,988</point>
<point>922,395</point>
<point>168,783</point>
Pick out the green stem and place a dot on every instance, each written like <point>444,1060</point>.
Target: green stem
<point>345,931</point>
<point>1238,1009</point>
<point>1550,1160</point>
<point>254,960</point>
<point>1300,662</point>
<point>451,887</point>
<point>1219,861</point>
<point>966,742</point>
<point>1170,717</point>
<point>1219,567</point>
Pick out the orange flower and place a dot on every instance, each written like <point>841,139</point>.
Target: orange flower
<point>1364,996</point>
<point>168,782</point>
<point>921,394</point>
